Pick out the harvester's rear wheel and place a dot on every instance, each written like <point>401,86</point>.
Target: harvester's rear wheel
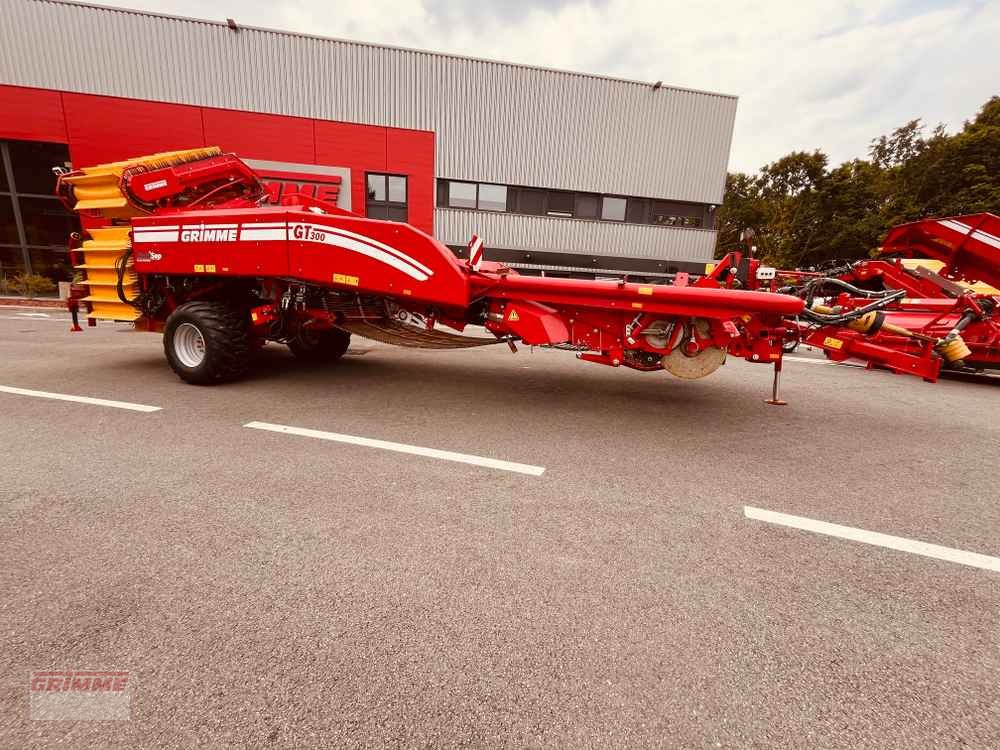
<point>207,342</point>
<point>320,346</point>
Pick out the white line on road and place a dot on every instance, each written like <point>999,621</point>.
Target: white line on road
<point>926,549</point>
<point>36,320</point>
<point>33,315</point>
<point>78,399</point>
<point>808,360</point>
<point>415,450</point>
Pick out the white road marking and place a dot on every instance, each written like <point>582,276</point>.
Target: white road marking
<point>415,450</point>
<point>808,360</point>
<point>973,559</point>
<point>78,399</point>
<point>33,315</point>
<point>35,320</point>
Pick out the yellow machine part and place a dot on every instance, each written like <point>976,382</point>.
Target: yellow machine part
<point>98,189</point>
<point>936,266</point>
<point>100,254</point>
<point>954,349</point>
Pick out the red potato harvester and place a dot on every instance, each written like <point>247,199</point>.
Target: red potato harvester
<point>898,312</point>
<point>185,243</point>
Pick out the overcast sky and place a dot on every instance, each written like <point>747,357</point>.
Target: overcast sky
<point>808,75</point>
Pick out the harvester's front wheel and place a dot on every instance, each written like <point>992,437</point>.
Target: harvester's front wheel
<point>207,342</point>
<point>320,346</point>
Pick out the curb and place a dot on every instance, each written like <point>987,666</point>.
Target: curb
<point>38,304</point>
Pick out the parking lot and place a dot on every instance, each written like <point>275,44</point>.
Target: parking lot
<point>281,587</point>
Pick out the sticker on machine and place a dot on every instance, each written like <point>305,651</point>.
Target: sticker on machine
<point>359,243</point>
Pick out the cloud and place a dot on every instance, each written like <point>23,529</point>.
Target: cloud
<point>827,75</point>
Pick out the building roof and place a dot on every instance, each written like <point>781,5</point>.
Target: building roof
<point>283,32</point>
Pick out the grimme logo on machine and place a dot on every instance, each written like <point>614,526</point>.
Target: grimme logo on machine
<point>209,234</point>
<point>325,183</point>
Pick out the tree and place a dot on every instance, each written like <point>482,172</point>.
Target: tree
<point>802,212</point>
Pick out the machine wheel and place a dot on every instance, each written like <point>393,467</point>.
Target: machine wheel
<point>207,342</point>
<point>692,367</point>
<point>705,362</point>
<point>320,346</point>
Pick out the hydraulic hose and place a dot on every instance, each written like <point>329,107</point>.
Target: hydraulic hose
<point>836,319</point>
<point>813,287</point>
<point>120,266</point>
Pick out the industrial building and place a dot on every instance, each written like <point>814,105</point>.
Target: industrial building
<point>559,172</point>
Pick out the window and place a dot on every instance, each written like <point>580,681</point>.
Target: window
<point>32,165</point>
<point>34,225</point>
<point>46,221</point>
<point>637,211</point>
<point>531,201</point>
<point>586,206</point>
<point>462,194</point>
<point>11,265</point>
<point>493,197</point>
<point>386,197</point>
<point>481,195</point>
<point>397,189</point>
<point>8,224</point>
<point>678,214</point>
<point>51,262</point>
<point>560,204</point>
<point>485,196</point>
<point>613,209</point>
<point>376,187</point>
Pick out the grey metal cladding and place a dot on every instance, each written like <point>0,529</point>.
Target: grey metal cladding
<point>544,233</point>
<point>494,122</point>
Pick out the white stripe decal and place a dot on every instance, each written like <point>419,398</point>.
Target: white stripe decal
<point>989,239</point>
<point>139,237</point>
<point>363,248</point>
<point>413,450</point>
<point>955,226</point>
<point>78,399</point>
<point>375,243</point>
<point>978,234</point>
<point>210,226</point>
<point>973,559</point>
<point>157,227</point>
<point>263,234</point>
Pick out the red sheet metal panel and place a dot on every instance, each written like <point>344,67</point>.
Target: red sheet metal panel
<point>411,152</point>
<point>260,136</point>
<point>31,115</point>
<point>104,128</point>
<point>361,148</point>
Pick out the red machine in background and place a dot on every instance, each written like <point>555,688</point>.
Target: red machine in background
<point>187,243</point>
<point>897,312</point>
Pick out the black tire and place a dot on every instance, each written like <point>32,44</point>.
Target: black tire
<point>324,346</point>
<point>225,348</point>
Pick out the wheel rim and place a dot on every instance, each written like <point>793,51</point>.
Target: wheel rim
<point>189,345</point>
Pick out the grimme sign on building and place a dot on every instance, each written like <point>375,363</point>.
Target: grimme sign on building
<point>331,184</point>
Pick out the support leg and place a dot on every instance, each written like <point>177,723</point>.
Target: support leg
<point>774,400</point>
<point>74,310</point>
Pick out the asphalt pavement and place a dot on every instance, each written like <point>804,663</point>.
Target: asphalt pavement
<point>271,589</point>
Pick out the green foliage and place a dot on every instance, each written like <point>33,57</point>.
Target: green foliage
<point>803,213</point>
<point>31,285</point>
